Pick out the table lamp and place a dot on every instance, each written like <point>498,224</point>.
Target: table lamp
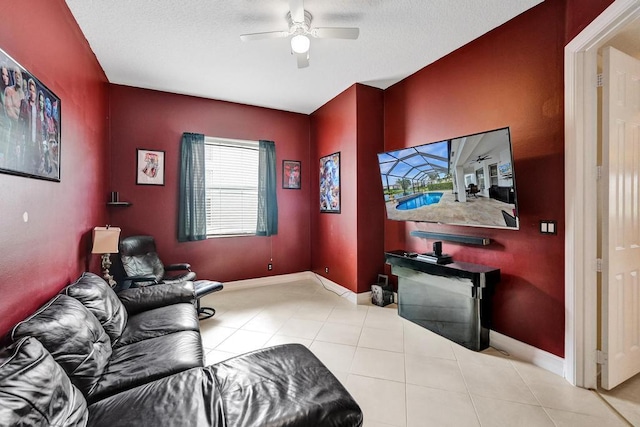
<point>105,242</point>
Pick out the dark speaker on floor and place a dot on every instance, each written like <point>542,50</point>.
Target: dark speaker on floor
<point>381,292</point>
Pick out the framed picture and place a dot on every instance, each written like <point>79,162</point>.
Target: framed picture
<point>330,183</point>
<point>505,170</point>
<point>291,170</point>
<point>150,169</point>
<point>29,124</point>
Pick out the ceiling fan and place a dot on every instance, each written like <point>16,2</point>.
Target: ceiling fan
<point>300,29</point>
<point>481,158</point>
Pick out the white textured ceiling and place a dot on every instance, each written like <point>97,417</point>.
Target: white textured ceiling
<point>193,47</point>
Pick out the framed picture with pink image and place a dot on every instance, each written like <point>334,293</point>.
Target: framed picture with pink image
<point>150,167</point>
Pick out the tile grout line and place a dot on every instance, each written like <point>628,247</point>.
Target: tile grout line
<point>466,386</point>
<point>611,407</point>
<point>530,389</point>
<point>406,383</point>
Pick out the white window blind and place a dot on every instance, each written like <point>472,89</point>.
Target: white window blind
<point>231,186</point>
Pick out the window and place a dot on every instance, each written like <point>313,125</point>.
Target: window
<point>231,186</point>
<point>480,178</point>
<point>493,174</point>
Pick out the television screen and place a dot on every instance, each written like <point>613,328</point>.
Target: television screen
<point>462,181</point>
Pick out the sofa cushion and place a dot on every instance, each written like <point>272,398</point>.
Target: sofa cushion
<point>73,336</point>
<point>189,398</point>
<point>149,360</point>
<point>158,322</point>
<point>35,391</point>
<point>144,264</point>
<point>95,294</point>
<point>283,385</point>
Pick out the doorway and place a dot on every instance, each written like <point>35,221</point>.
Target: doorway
<point>581,150</point>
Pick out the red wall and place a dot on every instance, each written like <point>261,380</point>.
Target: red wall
<point>581,12</point>
<point>350,243</point>
<point>156,120</point>
<point>334,236</point>
<point>370,202</point>
<point>39,257</point>
<point>509,77</point>
<point>512,76</point>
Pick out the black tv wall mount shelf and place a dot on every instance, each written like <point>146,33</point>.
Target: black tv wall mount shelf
<point>471,240</point>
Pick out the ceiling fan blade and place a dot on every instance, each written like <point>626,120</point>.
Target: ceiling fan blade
<point>297,10</point>
<point>303,59</point>
<point>335,33</point>
<point>262,36</point>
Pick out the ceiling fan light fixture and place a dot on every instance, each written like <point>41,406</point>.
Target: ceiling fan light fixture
<point>300,43</point>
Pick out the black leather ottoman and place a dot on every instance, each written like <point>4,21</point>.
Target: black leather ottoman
<point>202,288</point>
<point>285,385</point>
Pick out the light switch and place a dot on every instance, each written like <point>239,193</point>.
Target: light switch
<point>548,227</point>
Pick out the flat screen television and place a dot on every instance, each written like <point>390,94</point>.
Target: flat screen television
<point>467,181</point>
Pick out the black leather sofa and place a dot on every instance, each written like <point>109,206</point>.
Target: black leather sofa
<point>91,357</point>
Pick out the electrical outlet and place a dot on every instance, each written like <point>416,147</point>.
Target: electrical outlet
<point>269,266</point>
<point>326,269</point>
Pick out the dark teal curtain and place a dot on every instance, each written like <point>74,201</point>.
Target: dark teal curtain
<point>267,200</point>
<point>192,213</point>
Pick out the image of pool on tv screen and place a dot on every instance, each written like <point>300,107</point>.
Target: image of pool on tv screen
<point>467,180</point>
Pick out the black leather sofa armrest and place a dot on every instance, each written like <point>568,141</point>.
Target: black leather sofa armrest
<point>146,298</point>
<point>136,282</point>
<point>175,267</point>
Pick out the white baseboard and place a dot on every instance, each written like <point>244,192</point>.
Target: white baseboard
<point>527,353</point>
<point>266,281</point>
<point>348,294</point>
<point>363,298</point>
<point>295,277</point>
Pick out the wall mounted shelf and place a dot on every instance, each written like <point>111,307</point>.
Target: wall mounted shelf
<point>119,204</point>
<point>472,240</point>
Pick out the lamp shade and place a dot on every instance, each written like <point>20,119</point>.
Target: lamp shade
<point>105,240</point>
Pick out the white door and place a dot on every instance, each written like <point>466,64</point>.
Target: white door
<point>621,218</point>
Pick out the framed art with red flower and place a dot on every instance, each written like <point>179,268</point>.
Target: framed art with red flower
<point>291,172</point>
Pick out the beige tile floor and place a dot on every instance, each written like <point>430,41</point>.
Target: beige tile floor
<point>399,373</point>
<point>626,399</point>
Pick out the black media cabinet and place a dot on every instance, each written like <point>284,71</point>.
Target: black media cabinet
<point>452,300</point>
<point>504,194</point>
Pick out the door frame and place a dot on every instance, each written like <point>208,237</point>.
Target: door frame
<point>580,151</point>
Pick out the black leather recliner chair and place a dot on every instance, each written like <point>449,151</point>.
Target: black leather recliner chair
<point>140,265</point>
